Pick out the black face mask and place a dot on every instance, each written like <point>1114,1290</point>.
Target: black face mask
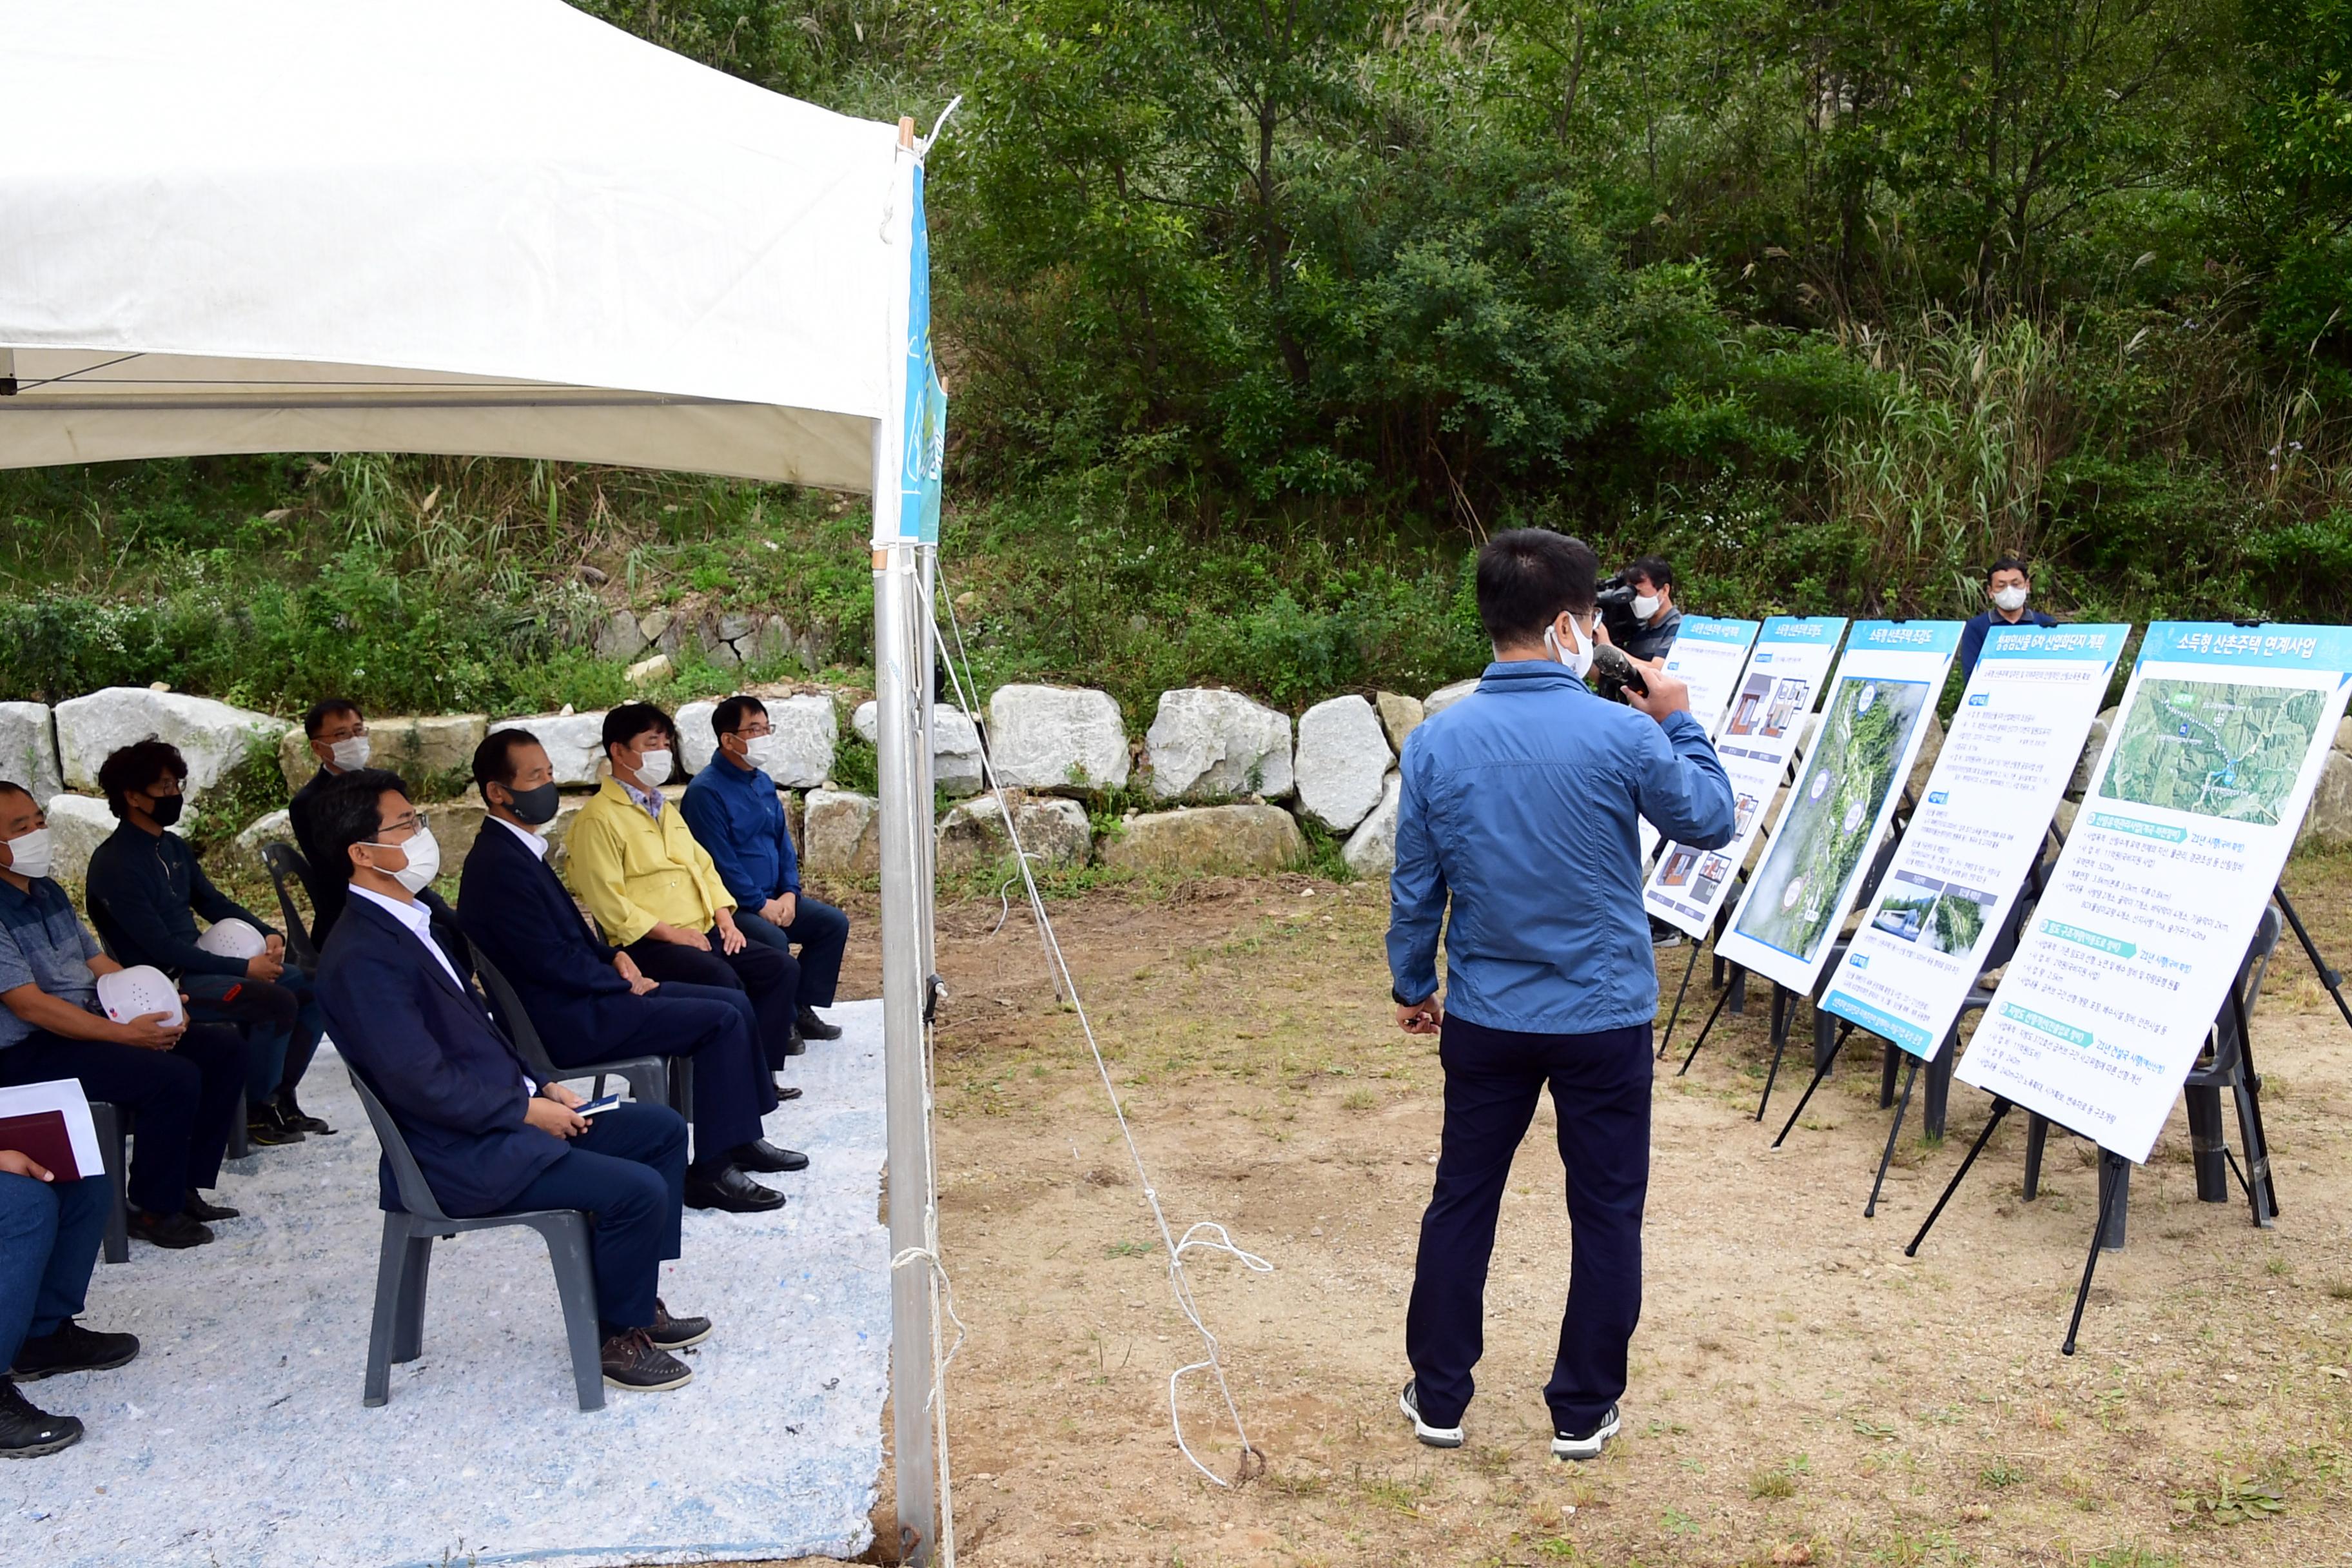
<point>534,807</point>
<point>166,810</point>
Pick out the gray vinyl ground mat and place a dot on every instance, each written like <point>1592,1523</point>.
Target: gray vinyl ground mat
<point>237,1436</point>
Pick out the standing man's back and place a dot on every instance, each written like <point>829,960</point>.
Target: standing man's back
<point>1518,808</point>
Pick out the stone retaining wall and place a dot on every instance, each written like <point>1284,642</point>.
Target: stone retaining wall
<point>1239,778</point>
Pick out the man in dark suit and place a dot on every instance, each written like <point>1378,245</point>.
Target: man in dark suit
<point>488,1139</point>
<point>588,1003</point>
<point>338,734</point>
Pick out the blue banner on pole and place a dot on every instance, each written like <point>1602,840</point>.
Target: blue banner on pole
<point>923,453</point>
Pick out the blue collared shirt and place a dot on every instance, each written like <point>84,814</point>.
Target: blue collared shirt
<point>735,814</point>
<point>43,944</point>
<point>1518,805</point>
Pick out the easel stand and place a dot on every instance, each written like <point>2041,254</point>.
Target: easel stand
<point>2115,1171</point>
<point>1820,1072</point>
<point>2332,979</point>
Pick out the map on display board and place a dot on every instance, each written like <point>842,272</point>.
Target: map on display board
<point>1758,733</point>
<point>1872,724</point>
<point>1709,655</point>
<point>2177,845</point>
<point>1981,824</point>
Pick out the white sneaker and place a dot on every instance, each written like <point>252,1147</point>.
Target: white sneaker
<point>1436,1436</point>
<point>1568,1446</point>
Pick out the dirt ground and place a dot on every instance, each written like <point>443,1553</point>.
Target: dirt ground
<point>1801,1392</point>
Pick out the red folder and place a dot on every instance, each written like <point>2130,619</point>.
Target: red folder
<point>43,1136</point>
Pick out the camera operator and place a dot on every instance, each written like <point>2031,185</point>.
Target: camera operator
<point>1518,805</point>
<point>1654,621</point>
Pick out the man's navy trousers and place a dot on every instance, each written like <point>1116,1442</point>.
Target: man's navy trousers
<point>1601,1094</point>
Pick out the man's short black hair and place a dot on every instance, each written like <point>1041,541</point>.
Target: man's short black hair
<point>1526,576</point>
<point>10,786</point>
<point>137,765</point>
<point>2008,563</point>
<point>327,707</point>
<point>631,720</point>
<point>1653,568</point>
<point>728,717</point>
<point>346,813</point>
<point>494,760</point>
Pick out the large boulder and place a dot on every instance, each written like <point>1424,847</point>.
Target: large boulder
<point>2328,823</point>
<point>575,743</point>
<point>1206,742</point>
<point>456,824</point>
<point>2087,764</point>
<point>1370,850</point>
<point>1238,838</point>
<point>973,836</point>
<point>1342,758</point>
<point>213,736</point>
<point>558,832</point>
<point>1400,716</point>
<point>955,746</point>
<point>805,730</point>
<point>79,824</point>
<point>272,827</point>
<point>1446,696</point>
<point>843,837</point>
<point>425,746</point>
<point>1066,739</point>
<point>28,749</point>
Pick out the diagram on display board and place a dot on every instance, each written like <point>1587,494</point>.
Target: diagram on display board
<point>1886,683</point>
<point>1758,733</point>
<point>1981,822</point>
<point>2151,907</point>
<point>1708,654</point>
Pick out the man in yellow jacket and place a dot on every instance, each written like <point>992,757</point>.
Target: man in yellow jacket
<point>636,866</point>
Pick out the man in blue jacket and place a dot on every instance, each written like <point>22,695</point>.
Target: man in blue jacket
<point>588,1003</point>
<point>733,811</point>
<point>487,1137</point>
<point>1518,807</point>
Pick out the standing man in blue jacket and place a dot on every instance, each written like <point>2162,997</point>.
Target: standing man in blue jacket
<point>733,811</point>
<point>1518,805</point>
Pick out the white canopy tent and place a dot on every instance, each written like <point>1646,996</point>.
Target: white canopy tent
<point>497,227</point>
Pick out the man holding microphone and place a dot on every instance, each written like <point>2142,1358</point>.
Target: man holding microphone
<point>1519,803</point>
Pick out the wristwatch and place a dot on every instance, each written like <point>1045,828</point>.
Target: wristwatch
<point>1402,1001</point>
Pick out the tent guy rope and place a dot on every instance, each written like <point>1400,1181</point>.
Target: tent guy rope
<point>1206,1235</point>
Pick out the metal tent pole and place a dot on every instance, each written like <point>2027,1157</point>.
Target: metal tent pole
<point>905,822</point>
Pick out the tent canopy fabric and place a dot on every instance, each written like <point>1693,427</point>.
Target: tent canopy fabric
<point>475,227</point>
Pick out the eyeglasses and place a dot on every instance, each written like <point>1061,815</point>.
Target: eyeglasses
<point>410,822</point>
<point>760,733</point>
<point>331,735</point>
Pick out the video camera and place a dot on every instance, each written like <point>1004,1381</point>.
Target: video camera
<point>1616,602</point>
<point>1612,672</point>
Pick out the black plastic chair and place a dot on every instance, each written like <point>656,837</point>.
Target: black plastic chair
<point>406,1262</point>
<point>2226,1063</point>
<point>109,1122</point>
<point>654,1081</point>
<point>285,865</point>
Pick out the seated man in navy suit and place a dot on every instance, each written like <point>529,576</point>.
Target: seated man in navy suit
<point>488,1139</point>
<point>590,1003</point>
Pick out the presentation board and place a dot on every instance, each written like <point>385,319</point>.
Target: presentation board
<point>2198,798</point>
<point>1873,720</point>
<point>1758,731</point>
<point>1709,654</point>
<point>1981,821</point>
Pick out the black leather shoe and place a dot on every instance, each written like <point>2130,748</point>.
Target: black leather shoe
<point>730,1189</point>
<point>172,1230</point>
<point>816,1028</point>
<point>795,1046</point>
<point>266,1128</point>
<point>71,1348</point>
<point>785,1091</point>
<point>670,1333</point>
<point>27,1432</point>
<point>203,1213</point>
<point>293,1115</point>
<point>764,1156</point>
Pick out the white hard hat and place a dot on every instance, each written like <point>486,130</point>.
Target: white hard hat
<point>135,993</point>
<point>232,938</point>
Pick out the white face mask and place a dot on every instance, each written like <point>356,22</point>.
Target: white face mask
<point>653,769</point>
<point>760,752</point>
<point>424,860</point>
<point>31,854</point>
<point>350,753</point>
<point>1578,659</point>
<point>2010,599</point>
<point>1646,607</point>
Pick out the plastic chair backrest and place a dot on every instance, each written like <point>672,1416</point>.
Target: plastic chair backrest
<point>415,1194</point>
<point>285,861</point>
<point>519,1028</point>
